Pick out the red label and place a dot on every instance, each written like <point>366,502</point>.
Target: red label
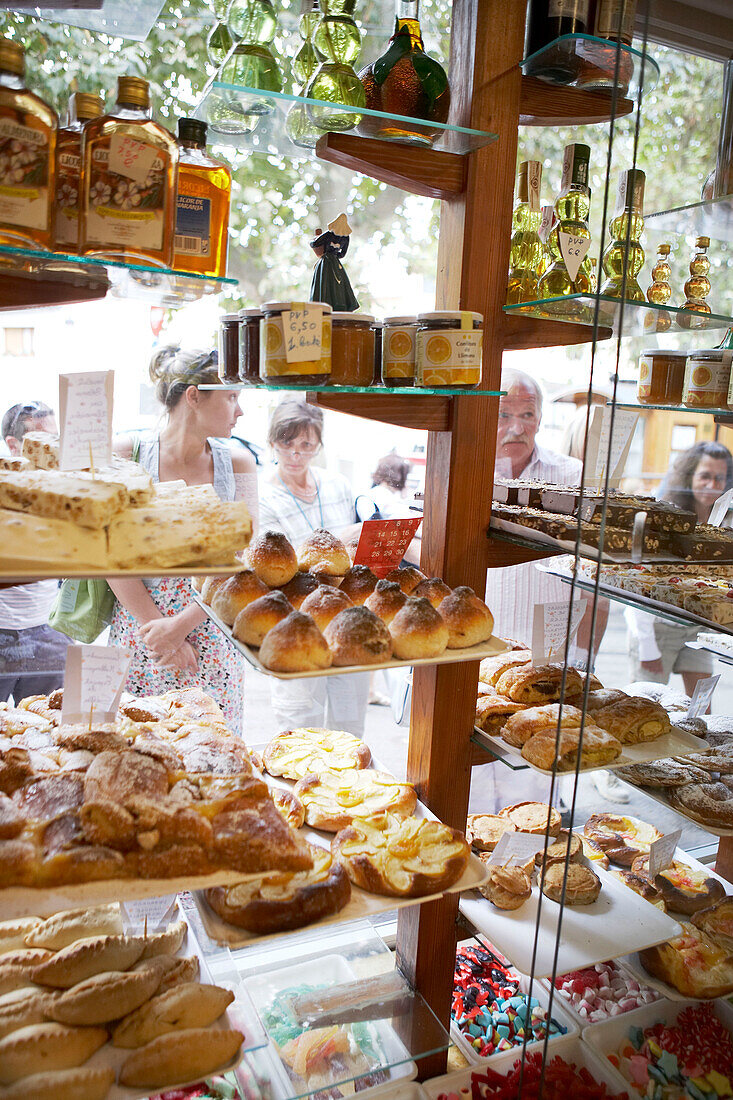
<point>383,543</point>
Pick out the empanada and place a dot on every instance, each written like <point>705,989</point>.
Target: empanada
<point>185,1006</point>
<point>13,933</point>
<point>166,942</point>
<point>81,960</point>
<point>104,997</point>
<point>43,1047</point>
<point>65,928</point>
<point>65,1084</point>
<point>180,1056</point>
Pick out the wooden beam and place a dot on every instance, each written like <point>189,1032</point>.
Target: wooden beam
<point>545,104</point>
<point>501,553</point>
<point>430,172</point>
<point>521,331</point>
<point>20,291</point>
<point>430,413</point>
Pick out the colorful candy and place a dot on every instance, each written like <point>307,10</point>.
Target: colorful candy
<point>562,1081</point>
<point>600,991</point>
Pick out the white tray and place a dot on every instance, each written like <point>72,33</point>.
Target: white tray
<point>28,571</point>
<point>724,655</point>
<point>581,1023</point>
<point>451,656</point>
<point>657,795</point>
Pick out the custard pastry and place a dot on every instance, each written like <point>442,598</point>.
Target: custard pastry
<point>295,753</point>
<point>333,800</point>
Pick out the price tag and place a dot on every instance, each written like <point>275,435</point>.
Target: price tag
<point>604,452</point>
<point>516,848</point>
<point>130,158</point>
<point>85,417</point>
<point>95,676</point>
<point>661,852</point>
<point>550,628</point>
<point>720,509</point>
<point>701,696</point>
<point>303,329</point>
<point>637,537</point>
<point>573,250</point>
<point>383,543</point>
<point>150,913</point>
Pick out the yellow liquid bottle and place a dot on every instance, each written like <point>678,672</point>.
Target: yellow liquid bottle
<point>526,255</point>
<point>129,174</point>
<point>28,131</point>
<point>202,205</point>
<point>623,259</point>
<point>572,209</point>
<point>67,198</point>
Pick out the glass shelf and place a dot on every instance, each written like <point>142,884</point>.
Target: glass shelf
<point>153,283</point>
<point>583,61</point>
<point>727,413</point>
<point>712,219</point>
<point>416,391</point>
<point>479,738</point>
<point>639,318</point>
<point>124,18</point>
<point>257,121</point>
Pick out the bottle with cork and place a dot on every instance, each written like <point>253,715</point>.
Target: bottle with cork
<point>624,257</point>
<point>526,254</point>
<point>83,106</point>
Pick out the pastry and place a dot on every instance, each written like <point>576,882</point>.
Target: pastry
<point>717,922</point>
<point>324,604</point>
<point>418,631</point>
<point>709,803</point>
<point>621,837</point>
<point>493,710</point>
<point>358,584</point>
<point>386,600</point>
<point>167,942</point>
<point>181,1055</point>
<point>281,903</point>
<point>291,808</point>
<point>295,645</point>
<point>65,928</point>
<point>484,831</point>
<point>529,721</point>
<point>357,637</point>
<point>83,959</point>
<point>235,593</point>
<point>594,852</point>
<point>557,850</point>
<point>175,972</point>
<point>467,617</point>
<point>581,885</point>
<point>185,1006</point>
<point>13,933</point>
<point>295,753</point>
<point>507,887</point>
<point>525,863</point>
<point>693,962</point>
<point>253,621</point>
<point>685,889</point>
<point>33,1008</point>
<point>333,800</point>
<point>433,589</point>
<point>533,817</point>
<point>406,577</point>
<point>272,558</point>
<point>641,885</point>
<point>662,773</point>
<point>104,997</point>
<point>533,684</point>
<point>491,668</point>
<point>46,1047</point>
<point>546,751</point>
<point>634,720</point>
<point>296,590</point>
<point>601,697</point>
<point>323,553</point>
<point>65,1084</point>
<point>713,760</point>
<point>406,858</point>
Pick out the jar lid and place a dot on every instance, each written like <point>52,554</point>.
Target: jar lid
<point>228,318</point>
<point>400,320</point>
<point>450,315</point>
<point>710,353</point>
<point>671,354</point>
<point>278,307</point>
<point>250,313</point>
<point>363,318</point>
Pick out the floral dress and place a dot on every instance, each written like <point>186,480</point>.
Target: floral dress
<point>221,670</point>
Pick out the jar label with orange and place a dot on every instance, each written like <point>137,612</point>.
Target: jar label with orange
<point>707,382</point>
<point>273,350</point>
<point>24,173</point>
<point>644,385</point>
<point>120,210</point>
<point>398,351</point>
<point>448,357</point>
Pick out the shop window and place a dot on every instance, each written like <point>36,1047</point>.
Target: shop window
<point>19,341</point>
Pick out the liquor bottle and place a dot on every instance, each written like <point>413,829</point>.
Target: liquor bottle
<point>249,64</point>
<point>548,20</point>
<point>569,240</point>
<point>298,125</point>
<point>697,286</point>
<point>526,253</point>
<point>202,205</point>
<point>129,172</point>
<point>219,43</point>
<point>338,39</point>
<point>252,20</point>
<point>660,292</point>
<point>604,68</point>
<point>406,81</point>
<point>67,198</point>
<point>624,256</point>
<point>614,20</point>
<point>219,8</point>
<point>28,132</point>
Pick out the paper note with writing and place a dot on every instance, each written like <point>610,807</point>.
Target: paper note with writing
<point>95,676</point>
<point>550,628</point>
<point>661,852</point>
<point>701,696</point>
<point>573,250</point>
<point>383,543</point>
<point>85,419</point>
<point>303,330</point>
<point>150,913</point>
<point>516,848</point>
<point>130,158</point>
<point>720,509</point>
<point>607,451</point>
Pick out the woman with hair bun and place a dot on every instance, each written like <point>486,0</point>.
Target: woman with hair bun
<point>174,644</point>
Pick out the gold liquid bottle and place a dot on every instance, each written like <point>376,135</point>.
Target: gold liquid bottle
<point>67,199</point>
<point>526,251</point>
<point>659,292</point>
<point>697,286</point>
<point>28,132</point>
<point>202,205</point>
<point>624,257</point>
<point>129,171</point>
<point>570,272</point>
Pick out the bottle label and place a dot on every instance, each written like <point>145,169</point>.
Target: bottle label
<point>534,182</point>
<point>24,173</point>
<point>548,220</point>
<point>572,9</point>
<point>398,352</point>
<point>707,382</point>
<point>193,225</point>
<point>66,200</point>
<point>121,210</point>
<point>615,19</point>
<point>630,195</point>
<point>449,357</point>
<point>574,167</point>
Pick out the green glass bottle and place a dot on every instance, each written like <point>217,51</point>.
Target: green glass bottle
<point>337,37</point>
<point>526,253</point>
<point>254,21</point>
<point>298,124</point>
<point>219,43</point>
<point>569,239</point>
<point>249,64</point>
<point>219,8</point>
<point>624,257</point>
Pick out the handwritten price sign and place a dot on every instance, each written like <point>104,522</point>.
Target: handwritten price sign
<point>95,676</point>
<point>303,329</point>
<point>130,158</point>
<point>574,250</point>
<point>383,543</point>
<point>85,418</point>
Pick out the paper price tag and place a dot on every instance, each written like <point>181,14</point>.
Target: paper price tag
<point>573,250</point>
<point>661,852</point>
<point>303,329</point>
<point>637,537</point>
<point>383,543</point>
<point>516,848</point>
<point>701,696</point>
<point>150,913</point>
<point>130,158</point>
<point>550,628</point>
<point>95,676</point>
<point>85,419</point>
<point>605,452</point>
<point>720,509</point>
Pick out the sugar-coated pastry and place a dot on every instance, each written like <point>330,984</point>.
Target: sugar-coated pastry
<point>358,584</point>
<point>468,618</point>
<point>296,590</point>
<point>507,887</point>
<point>634,720</point>
<point>529,721</point>
<point>406,577</point>
<point>357,637</point>
<point>418,630</point>
<point>324,604</point>
<point>209,587</point>
<point>295,645</point>
<point>491,668</point>
<point>538,684</point>
<point>272,558</point>
<point>235,593</point>
<point>546,751</point>
<point>322,552</point>
<point>580,886</point>
<point>433,589</point>
<point>386,600</point>
<point>255,620</point>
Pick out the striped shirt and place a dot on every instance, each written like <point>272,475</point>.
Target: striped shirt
<point>281,510</point>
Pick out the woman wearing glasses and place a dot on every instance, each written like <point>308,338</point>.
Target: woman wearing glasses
<point>297,500</point>
<point>174,645</point>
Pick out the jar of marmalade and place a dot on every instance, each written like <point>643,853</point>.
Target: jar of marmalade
<point>352,349</point>
<point>707,379</point>
<point>229,348</point>
<point>249,346</point>
<point>275,366</point>
<point>398,351</point>
<point>661,377</point>
<point>448,349</point>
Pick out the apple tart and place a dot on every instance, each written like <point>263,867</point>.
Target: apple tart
<point>296,753</point>
<point>333,800</point>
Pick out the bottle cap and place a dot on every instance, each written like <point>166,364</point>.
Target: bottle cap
<point>85,105</point>
<point>133,90</point>
<point>12,56</point>
<point>192,129</point>
<point>664,249</point>
<point>702,242</point>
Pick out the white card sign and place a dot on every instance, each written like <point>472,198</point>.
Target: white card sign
<point>701,696</point>
<point>85,419</point>
<point>516,848</point>
<point>95,677</point>
<point>720,509</point>
<point>604,452</point>
<point>661,852</point>
<point>303,330</point>
<point>130,158</point>
<point>149,914</point>
<point>573,249</point>
<point>550,628</point>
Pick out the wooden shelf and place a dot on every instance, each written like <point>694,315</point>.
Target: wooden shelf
<point>545,104</point>
<point>429,172</point>
<point>524,331</point>
<point>17,292</point>
<point>503,553</point>
<point>433,414</point>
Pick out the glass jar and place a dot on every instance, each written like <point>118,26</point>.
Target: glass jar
<point>398,351</point>
<point>352,350</point>
<point>275,366</point>
<point>707,379</point>
<point>448,349</point>
<point>661,377</point>
<point>249,346</point>
<point>229,348</point>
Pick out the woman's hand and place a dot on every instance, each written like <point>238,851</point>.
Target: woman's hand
<point>164,637</point>
<point>653,666</point>
<point>185,659</point>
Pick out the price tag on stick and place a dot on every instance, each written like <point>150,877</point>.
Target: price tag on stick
<point>516,848</point>
<point>150,913</point>
<point>95,676</point>
<point>303,330</point>
<point>701,696</point>
<point>607,452</point>
<point>85,419</point>
<point>573,250</point>
<point>550,628</point>
<point>383,543</point>
<point>661,852</point>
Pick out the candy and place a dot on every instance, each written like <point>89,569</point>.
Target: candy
<point>561,1081</point>
<point>602,991</point>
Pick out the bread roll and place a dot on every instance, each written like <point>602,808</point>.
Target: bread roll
<point>235,594</point>
<point>198,582</point>
<point>407,577</point>
<point>180,1055</point>
<point>469,619</point>
<point>295,645</point>
<point>418,630</point>
<point>386,600</point>
<point>352,545</point>
<point>209,587</point>
<point>257,618</point>
<point>324,604</point>
<point>322,552</point>
<point>64,1084</point>
<point>357,637</point>
<point>433,589</point>
<point>358,584</point>
<point>272,558</point>
<point>296,590</point>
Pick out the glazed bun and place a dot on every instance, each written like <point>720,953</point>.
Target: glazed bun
<point>322,552</point>
<point>468,618</point>
<point>209,587</point>
<point>235,593</point>
<point>433,589</point>
<point>325,604</point>
<point>272,558</point>
<point>357,637</point>
<point>407,577</point>
<point>386,600</point>
<point>258,618</point>
<point>352,545</point>
<point>295,645</point>
<point>418,630</point>
<point>358,584</point>
<point>296,590</point>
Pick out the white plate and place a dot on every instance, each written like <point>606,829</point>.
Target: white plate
<point>571,1009</point>
<point>724,655</point>
<point>29,571</point>
<point>449,657</point>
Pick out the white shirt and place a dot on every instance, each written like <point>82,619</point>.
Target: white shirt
<point>281,510</point>
<point>26,605</point>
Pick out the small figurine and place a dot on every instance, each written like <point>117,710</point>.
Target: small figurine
<point>330,282</point>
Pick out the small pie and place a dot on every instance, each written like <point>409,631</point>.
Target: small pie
<point>693,962</point>
<point>83,959</point>
<point>507,887</point>
<point>685,889</point>
<point>184,1006</point>
<point>299,752</point>
<point>180,1055</point>
<point>483,831</point>
<point>333,800</point>
<point>621,837</point>
<point>556,850</point>
<point>532,817</point>
<point>82,1083</point>
<point>717,921</point>
<point>104,997</point>
<point>51,1046</point>
<point>581,886</point>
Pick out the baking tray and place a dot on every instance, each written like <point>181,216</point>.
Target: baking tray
<point>451,656</point>
<point>28,571</point>
<point>657,795</point>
